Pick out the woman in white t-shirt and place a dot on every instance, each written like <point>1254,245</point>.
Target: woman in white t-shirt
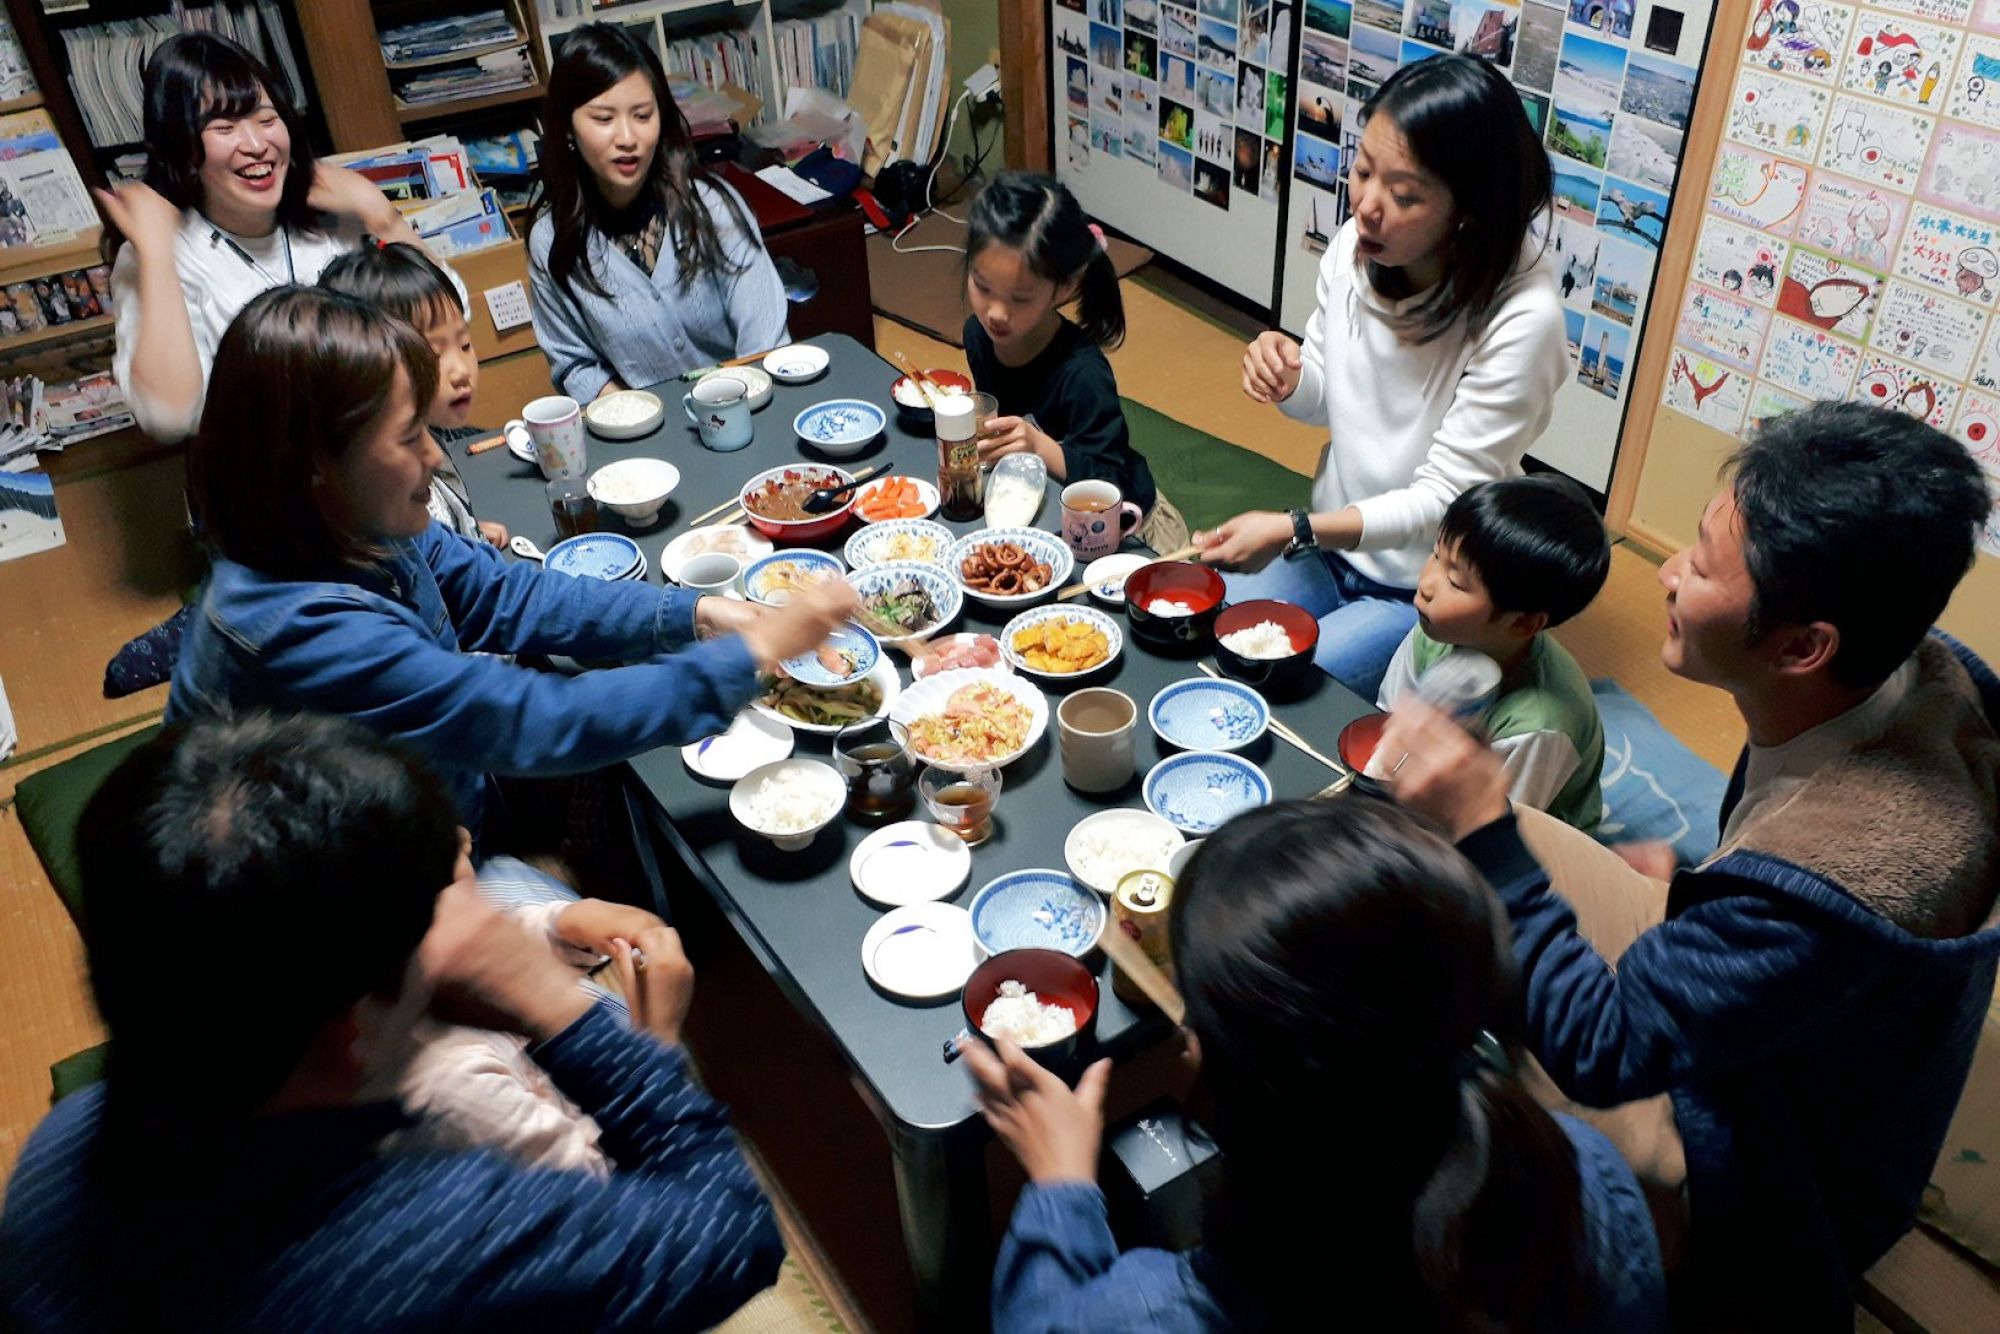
<point>1434,356</point>
<point>233,204</point>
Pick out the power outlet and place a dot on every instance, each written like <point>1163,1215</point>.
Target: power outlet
<point>983,83</point>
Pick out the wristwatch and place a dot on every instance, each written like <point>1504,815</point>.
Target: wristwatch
<point>1302,534</point>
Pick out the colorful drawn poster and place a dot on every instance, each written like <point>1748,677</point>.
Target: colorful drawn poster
<point>1811,363</point>
<point>1900,61</point>
<point>1986,15</point>
<point>1605,357</point>
<point>1986,366</point>
<point>1884,382</point>
<point>1829,293</point>
<point>1739,261</point>
<point>1949,253</point>
<point>1978,429</point>
<point>1624,276</point>
<point>1725,327</point>
<point>1954,12</point>
<point>1975,88</point>
<point>1768,401</point>
<point>1856,222</point>
<point>1928,329</point>
<point>1964,170</point>
<point>1710,392</point>
<point>1777,115</point>
<point>1757,190</point>
<point>1805,46</point>
<point>1879,144</point>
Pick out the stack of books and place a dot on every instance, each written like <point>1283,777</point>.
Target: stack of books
<point>507,163</point>
<point>449,59</point>
<point>818,52</point>
<point>433,183</point>
<point>718,60</point>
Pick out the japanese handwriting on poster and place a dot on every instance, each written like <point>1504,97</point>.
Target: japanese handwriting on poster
<point>1951,254</point>
<point>1986,366</point>
<point>1725,327</point>
<point>1964,170</point>
<point>1828,293</point>
<point>1878,144</point>
<point>1975,88</point>
<point>1768,401</point>
<point>1884,382</point>
<point>1808,362</point>
<point>1738,260</point>
<point>1777,115</point>
<point>1953,12</point>
<point>1931,330</point>
<point>1978,429</point>
<point>1707,390</point>
<point>1805,41</point>
<point>1852,221</point>
<point>1897,60</point>
<point>1756,190</point>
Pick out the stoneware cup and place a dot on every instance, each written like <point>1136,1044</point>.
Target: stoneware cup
<point>1097,727</point>
<point>555,425</point>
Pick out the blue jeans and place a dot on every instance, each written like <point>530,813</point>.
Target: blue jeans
<point>1361,622</point>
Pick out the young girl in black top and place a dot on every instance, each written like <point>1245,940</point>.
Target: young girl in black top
<point>1030,252</point>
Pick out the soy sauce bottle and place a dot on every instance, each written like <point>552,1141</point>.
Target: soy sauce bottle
<point>958,458</point>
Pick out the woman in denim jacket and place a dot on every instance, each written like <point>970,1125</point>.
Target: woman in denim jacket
<point>333,591</point>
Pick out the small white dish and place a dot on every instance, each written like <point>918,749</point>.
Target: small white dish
<point>1106,575</point>
<point>634,489</point>
<point>797,363</point>
<point>830,786</point>
<point>756,384</point>
<point>521,445</point>
<point>921,951</point>
<point>914,861</point>
<point>1127,824</point>
<point>926,492</point>
<point>733,539</point>
<point>625,415</point>
<point>752,741</point>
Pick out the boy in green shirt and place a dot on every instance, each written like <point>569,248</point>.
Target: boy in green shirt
<point>1515,558</point>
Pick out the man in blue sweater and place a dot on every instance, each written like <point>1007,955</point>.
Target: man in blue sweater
<point>238,1168</point>
<point>1807,999</point>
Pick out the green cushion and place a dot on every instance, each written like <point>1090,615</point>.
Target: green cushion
<point>80,1071</point>
<point>51,804</point>
<point>1210,480</point>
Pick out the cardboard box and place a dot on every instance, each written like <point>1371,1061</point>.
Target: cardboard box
<point>483,271</point>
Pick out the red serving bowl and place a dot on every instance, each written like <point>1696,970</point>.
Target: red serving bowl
<point>800,530</point>
<point>1184,581</point>
<point>1054,977</point>
<point>1357,744</point>
<point>918,416</point>
<point>1267,673</point>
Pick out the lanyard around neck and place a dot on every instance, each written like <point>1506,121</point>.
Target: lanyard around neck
<point>216,237</point>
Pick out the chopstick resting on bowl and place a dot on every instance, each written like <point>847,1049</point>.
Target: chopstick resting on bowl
<point>1284,732</point>
<point>1185,553</point>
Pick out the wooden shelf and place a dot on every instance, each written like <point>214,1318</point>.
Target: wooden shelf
<point>54,332</point>
<point>641,12</point>
<point>20,263</point>
<point>466,106</point>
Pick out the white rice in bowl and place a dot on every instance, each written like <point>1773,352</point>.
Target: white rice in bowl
<point>1263,641</point>
<point>1107,853</point>
<point>1169,607</point>
<point>792,801</point>
<point>1019,1015</point>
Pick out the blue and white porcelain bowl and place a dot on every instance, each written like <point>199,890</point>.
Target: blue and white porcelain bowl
<point>608,556</point>
<point>943,590</point>
<point>771,579</point>
<point>1114,639</point>
<point>1199,791</point>
<point>840,426</point>
<point>848,654</point>
<point>1206,714</point>
<point>899,540</point>
<point>1042,548</point>
<point>1038,909</point>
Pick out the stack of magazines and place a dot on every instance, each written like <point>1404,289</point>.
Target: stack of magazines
<point>465,55</point>
<point>40,416</point>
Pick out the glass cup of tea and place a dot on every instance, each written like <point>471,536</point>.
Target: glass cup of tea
<point>572,507</point>
<point>962,802</point>
<point>873,755</point>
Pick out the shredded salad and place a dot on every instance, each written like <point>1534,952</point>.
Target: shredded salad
<point>981,722</point>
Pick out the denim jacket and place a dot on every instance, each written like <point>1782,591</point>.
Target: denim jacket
<point>405,650</point>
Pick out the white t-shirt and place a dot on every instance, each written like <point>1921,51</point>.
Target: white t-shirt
<point>1413,425</point>
<point>217,282</point>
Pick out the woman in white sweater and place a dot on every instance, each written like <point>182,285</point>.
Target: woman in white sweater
<point>1434,356</point>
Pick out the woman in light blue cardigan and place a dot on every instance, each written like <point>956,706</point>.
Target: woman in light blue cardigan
<point>642,266</point>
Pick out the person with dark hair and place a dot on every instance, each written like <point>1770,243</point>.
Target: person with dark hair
<point>1351,1004</point>
<point>643,264</point>
<point>403,281</point>
<point>1434,355</point>
<point>1513,559</point>
<point>233,202</point>
<point>1029,251</point>
<point>1787,1026</point>
<point>334,591</point>
<point>238,1168</point>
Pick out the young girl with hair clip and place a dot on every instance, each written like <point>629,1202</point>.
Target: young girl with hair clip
<point>1029,252</point>
<point>334,591</point>
<point>643,266</point>
<point>233,203</point>
<point>1434,356</point>
<point>1351,1000</point>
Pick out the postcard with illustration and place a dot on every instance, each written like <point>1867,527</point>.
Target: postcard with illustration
<point>1882,145</point>
<point>1756,189</point>
<point>1809,362</point>
<point>1929,329</point>
<point>1710,392</point>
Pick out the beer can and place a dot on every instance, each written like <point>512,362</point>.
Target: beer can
<point>1139,909</point>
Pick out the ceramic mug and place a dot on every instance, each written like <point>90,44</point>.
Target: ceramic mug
<point>555,425</point>
<point>1097,727</point>
<point>715,572</point>
<point>719,408</point>
<point>1096,519</point>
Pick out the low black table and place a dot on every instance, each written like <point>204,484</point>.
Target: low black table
<point>799,913</point>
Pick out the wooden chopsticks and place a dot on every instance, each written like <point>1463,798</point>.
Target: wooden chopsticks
<point>1285,733</point>
<point>1078,590</point>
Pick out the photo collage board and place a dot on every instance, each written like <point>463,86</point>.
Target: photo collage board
<point>1608,85</point>
<point>1850,244</point>
<point>1170,125</point>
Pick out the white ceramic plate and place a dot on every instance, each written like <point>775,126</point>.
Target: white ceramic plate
<point>830,785</point>
<point>1043,547</point>
<point>921,951</point>
<point>1125,824</point>
<point>926,492</point>
<point>737,539</point>
<point>644,410</point>
<point>1107,575</point>
<point>796,363</point>
<point>928,697</point>
<point>753,740</point>
<point>884,677</point>
<point>1114,639</point>
<point>911,862</point>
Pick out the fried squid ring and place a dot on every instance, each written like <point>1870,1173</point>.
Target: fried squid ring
<point>1007,555</point>
<point>1006,583</point>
